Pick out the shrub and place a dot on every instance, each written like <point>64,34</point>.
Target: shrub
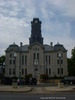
<point>44,76</point>
<point>28,76</point>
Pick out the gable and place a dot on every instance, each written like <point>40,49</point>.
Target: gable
<point>36,46</point>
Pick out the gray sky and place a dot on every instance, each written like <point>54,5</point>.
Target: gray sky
<point>57,16</point>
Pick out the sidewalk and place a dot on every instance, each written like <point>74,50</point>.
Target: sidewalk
<point>25,89</point>
<point>20,89</point>
<point>57,89</point>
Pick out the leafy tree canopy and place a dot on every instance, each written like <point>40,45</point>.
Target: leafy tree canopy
<point>2,59</point>
<point>71,63</point>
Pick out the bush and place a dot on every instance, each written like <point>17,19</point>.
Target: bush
<point>44,76</point>
<point>28,76</point>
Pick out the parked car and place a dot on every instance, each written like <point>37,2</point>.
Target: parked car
<point>68,80</point>
<point>6,80</point>
<point>31,81</point>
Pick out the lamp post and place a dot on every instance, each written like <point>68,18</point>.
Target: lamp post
<point>60,55</point>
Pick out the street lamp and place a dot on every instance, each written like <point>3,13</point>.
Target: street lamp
<point>60,55</point>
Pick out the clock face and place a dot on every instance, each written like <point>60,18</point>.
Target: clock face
<point>36,21</point>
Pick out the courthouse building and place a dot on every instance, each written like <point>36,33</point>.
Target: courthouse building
<point>36,58</point>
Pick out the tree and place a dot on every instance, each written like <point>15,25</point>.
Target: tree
<point>2,70</point>
<point>2,60</point>
<point>73,56</point>
<point>71,64</point>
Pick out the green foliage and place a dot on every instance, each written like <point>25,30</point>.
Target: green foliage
<point>28,76</point>
<point>44,76</point>
<point>73,56</point>
<point>71,64</point>
<point>2,60</point>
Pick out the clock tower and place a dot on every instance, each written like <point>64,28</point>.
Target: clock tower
<point>36,32</point>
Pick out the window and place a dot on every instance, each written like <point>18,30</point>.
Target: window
<point>58,70</point>
<point>46,59</point>
<point>38,49</point>
<point>49,59</point>
<point>61,61</point>
<point>22,71</point>
<point>37,58</point>
<point>14,62</point>
<point>49,71</point>
<point>34,58</point>
<point>58,62</point>
<point>13,71</point>
<point>10,62</point>
<point>25,59</point>
<point>10,71</point>
<point>22,59</point>
<point>46,71</point>
<point>26,71</point>
<point>61,70</point>
<point>10,55</point>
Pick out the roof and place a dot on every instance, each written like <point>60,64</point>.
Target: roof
<point>13,47</point>
<point>24,48</point>
<point>48,47</point>
<point>59,47</point>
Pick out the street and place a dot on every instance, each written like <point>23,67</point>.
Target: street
<point>38,96</point>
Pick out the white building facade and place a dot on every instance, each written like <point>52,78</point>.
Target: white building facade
<point>36,58</point>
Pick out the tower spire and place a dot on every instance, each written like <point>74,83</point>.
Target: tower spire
<point>36,31</point>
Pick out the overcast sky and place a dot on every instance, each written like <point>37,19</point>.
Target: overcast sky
<point>57,16</point>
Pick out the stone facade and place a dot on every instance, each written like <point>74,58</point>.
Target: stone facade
<point>36,58</point>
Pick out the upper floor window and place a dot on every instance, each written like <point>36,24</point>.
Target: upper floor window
<point>10,62</point>
<point>25,59</point>
<point>34,56</point>
<point>58,71</point>
<point>61,70</point>
<point>10,55</point>
<point>22,71</point>
<point>13,71</point>
<point>59,61</point>
<point>46,59</point>
<point>37,58</point>
<point>35,49</point>
<point>10,71</point>
<point>26,71</point>
<point>14,61</point>
<point>22,59</point>
<point>46,71</point>
<point>49,60</point>
<point>49,71</point>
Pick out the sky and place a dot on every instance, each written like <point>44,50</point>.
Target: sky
<point>57,16</point>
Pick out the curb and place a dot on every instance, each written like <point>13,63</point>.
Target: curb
<point>72,90</point>
<point>17,91</point>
